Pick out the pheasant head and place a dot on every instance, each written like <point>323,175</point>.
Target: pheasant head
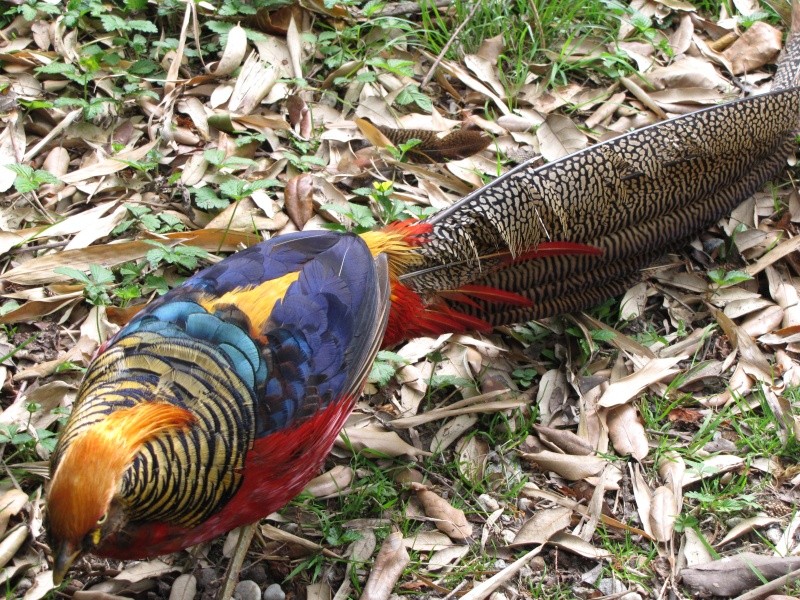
<point>84,506</point>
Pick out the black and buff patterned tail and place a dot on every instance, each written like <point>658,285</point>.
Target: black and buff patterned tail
<point>635,197</point>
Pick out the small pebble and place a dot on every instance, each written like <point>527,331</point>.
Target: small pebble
<point>631,596</point>
<point>609,586</point>
<point>274,592</point>
<point>206,576</point>
<point>489,503</point>
<point>257,573</point>
<point>247,590</point>
<point>184,588</point>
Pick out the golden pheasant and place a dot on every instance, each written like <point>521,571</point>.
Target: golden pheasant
<point>217,403</point>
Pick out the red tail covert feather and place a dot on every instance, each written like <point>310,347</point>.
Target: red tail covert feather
<point>554,249</point>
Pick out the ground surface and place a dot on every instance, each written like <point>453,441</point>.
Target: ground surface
<point>638,442</point>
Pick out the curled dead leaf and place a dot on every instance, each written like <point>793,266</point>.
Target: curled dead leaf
<point>626,431</point>
<point>298,199</point>
<point>572,467</point>
<point>389,564</point>
<point>663,512</point>
<point>331,482</point>
<point>448,519</point>
<point>542,526</point>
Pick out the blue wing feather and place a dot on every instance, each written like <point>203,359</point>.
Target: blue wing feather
<point>311,351</point>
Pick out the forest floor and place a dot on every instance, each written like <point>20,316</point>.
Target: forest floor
<point>625,452</point>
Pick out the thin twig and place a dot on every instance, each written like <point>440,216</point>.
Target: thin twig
<point>426,80</point>
<point>237,560</point>
<point>65,122</point>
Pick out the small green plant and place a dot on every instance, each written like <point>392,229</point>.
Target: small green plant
<point>186,257</point>
<point>145,218</point>
<point>29,179</point>
<point>525,377</point>
<point>411,94</point>
<point>232,189</point>
<point>722,278</point>
<point>97,282</point>
<point>400,151</point>
<point>385,366</point>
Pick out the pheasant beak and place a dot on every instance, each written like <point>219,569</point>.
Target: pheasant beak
<point>65,555</point>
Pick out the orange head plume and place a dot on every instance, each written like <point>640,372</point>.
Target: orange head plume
<point>91,468</point>
<point>397,241</point>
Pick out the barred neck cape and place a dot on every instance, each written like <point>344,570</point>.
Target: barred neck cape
<point>634,197</point>
<point>253,363</point>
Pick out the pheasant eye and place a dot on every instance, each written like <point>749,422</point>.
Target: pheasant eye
<point>102,519</point>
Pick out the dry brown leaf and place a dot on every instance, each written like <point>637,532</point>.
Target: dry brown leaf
<point>746,526</point>
<point>39,271</point>
<point>712,467</point>
<point>331,483</point>
<point>448,519</point>
<point>183,588</point>
<point>93,595</point>
<point>233,54</point>
<point>644,498</point>
<point>11,504</point>
<point>485,588</point>
<point>279,535</point>
<point>626,431</point>
<point>558,136</point>
<point>672,470</point>
<point>255,80</point>
<point>563,440</point>
<point>9,154</point>
<point>763,322</point>
<point>377,440</point>
<point>110,165</point>
<point>694,549</point>
<point>428,541</point>
<point>12,542</point>
<point>388,567</point>
<point>473,452</point>
<point>42,585</point>
<point>319,591</point>
<point>627,388</point>
<point>456,70</point>
<point>663,513</point>
<point>542,526</point>
<point>446,558</point>
<point>566,465</point>
<point>298,199</point>
<point>576,545</point>
<point>757,46</point>
<point>753,361</point>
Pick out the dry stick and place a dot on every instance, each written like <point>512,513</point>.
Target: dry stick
<point>766,589</point>
<point>426,80</point>
<point>237,560</point>
<point>455,591</point>
<point>65,122</point>
<point>483,590</point>
<point>407,8</point>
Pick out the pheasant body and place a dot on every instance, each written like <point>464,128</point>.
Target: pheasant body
<point>251,395</point>
<point>218,402</point>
